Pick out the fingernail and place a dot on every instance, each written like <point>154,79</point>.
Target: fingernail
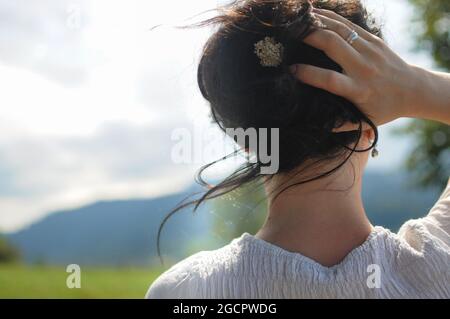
<point>293,68</point>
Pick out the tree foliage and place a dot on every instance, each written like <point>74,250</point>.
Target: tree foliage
<point>8,253</point>
<point>429,160</point>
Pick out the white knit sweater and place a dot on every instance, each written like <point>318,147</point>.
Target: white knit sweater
<point>415,263</point>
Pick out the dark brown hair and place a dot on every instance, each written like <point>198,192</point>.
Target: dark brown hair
<point>244,94</point>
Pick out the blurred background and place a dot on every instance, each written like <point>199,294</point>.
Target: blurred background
<point>91,98</point>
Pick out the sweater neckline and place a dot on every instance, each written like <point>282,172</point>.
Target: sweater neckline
<point>376,232</point>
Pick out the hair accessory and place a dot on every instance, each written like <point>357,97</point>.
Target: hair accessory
<point>270,52</point>
<point>353,36</point>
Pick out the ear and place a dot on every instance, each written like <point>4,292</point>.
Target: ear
<point>370,134</point>
<point>348,127</point>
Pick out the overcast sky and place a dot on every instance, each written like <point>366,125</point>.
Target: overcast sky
<point>90,97</point>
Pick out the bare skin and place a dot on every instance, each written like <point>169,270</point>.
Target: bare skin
<point>314,219</point>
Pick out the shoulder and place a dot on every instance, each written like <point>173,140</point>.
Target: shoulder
<point>427,237</point>
<point>425,257</point>
<point>430,245</point>
<point>431,232</point>
<point>191,276</point>
<point>176,281</point>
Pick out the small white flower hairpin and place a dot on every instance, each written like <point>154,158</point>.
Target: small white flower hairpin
<point>270,52</point>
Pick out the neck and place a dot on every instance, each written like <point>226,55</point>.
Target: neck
<point>323,220</point>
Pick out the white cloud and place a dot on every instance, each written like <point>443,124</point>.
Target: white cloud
<point>47,37</point>
<point>119,161</point>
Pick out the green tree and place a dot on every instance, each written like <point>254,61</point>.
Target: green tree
<point>429,160</point>
<point>8,253</point>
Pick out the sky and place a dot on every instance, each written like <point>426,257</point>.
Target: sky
<point>91,96</point>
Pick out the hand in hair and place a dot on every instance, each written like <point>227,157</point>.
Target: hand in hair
<point>375,79</point>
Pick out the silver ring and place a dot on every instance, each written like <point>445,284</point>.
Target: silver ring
<point>352,37</point>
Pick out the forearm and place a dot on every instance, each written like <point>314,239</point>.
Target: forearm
<point>430,99</point>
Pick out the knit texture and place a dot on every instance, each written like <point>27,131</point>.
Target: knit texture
<point>415,263</point>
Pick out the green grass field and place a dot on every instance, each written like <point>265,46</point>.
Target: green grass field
<point>20,281</point>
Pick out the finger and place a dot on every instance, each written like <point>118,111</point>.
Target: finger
<point>336,48</point>
<point>361,45</point>
<point>328,80</point>
<point>333,15</point>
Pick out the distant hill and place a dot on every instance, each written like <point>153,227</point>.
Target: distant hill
<point>111,233</point>
<point>124,232</point>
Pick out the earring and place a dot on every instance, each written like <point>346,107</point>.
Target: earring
<point>375,152</point>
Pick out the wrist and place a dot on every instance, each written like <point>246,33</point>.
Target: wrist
<point>414,105</point>
<point>430,95</point>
